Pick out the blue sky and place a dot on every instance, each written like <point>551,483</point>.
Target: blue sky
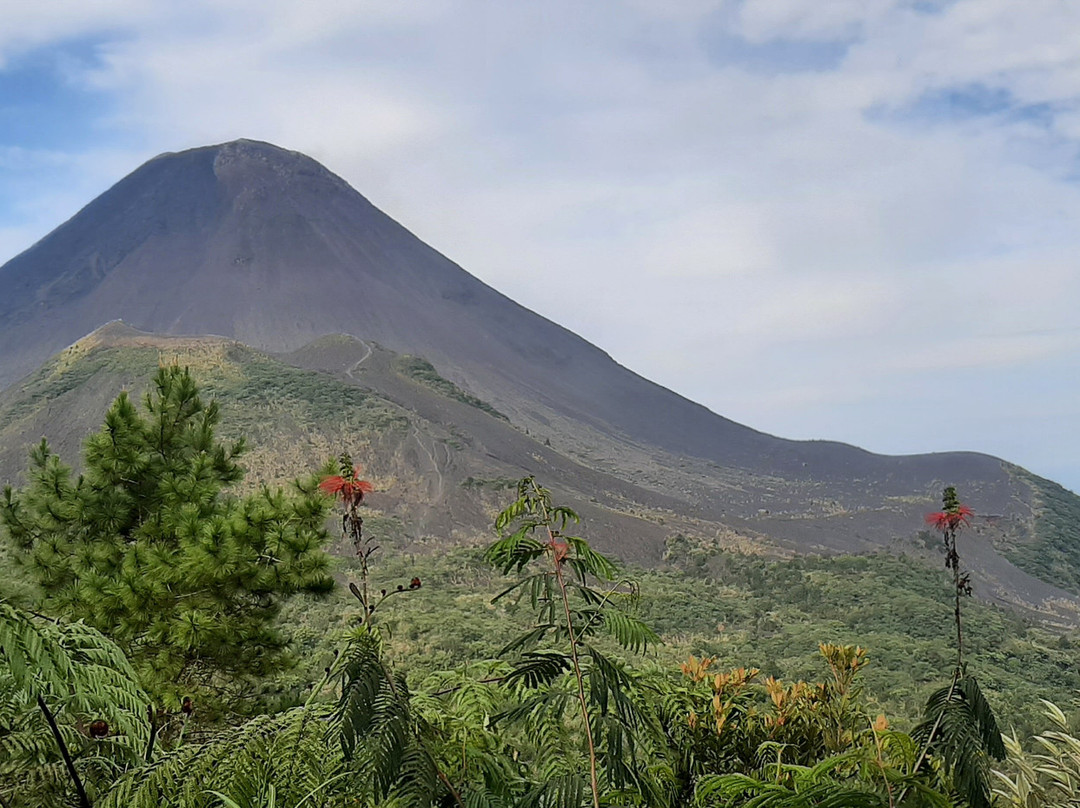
<point>853,220</point>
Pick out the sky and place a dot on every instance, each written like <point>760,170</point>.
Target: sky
<point>854,220</point>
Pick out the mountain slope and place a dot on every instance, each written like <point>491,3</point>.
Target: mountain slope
<point>267,247</point>
<point>442,459</point>
<point>253,242</point>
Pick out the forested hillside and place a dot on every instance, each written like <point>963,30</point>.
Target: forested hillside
<point>173,636</point>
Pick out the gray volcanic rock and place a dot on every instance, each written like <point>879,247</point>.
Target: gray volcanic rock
<point>249,241</point>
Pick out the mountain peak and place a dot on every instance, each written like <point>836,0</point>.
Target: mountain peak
<point>266,246</point>
<point>243,149</point>
<point>249,159</point>
<point>244,168</point>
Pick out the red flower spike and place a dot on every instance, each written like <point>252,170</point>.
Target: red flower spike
<point>950,520</point>
<point>349,490</point>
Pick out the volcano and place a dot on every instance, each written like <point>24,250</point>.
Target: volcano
<point>265,246</point>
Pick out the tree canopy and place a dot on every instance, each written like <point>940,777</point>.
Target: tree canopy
<point>148,545</point>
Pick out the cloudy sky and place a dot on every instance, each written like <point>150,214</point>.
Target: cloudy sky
<point>845,219</point>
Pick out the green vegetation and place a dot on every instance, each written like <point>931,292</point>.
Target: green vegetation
<point>740,610</point>
<point>420,370</point>
<point>312,398</point>
<point>533,672</point>
<point>55,379</point>
<point>494,484</point>
<point>382,728</point>
<point>1055,555</point>
<point>558,659</point>
<point>147,546</point>
<point>1047,778</point>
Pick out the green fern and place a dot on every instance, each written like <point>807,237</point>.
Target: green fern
<point>746,792</point>
<point>56,680</point>
<point>959,725</point>
<point>284,754</point>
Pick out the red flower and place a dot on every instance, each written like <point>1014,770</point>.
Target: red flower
<point>951,519</point>
<point>350,489</point>
<point>559,548</point>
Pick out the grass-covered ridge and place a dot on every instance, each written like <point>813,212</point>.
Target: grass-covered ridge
<point>419,369</point>
<point>1054,556</point>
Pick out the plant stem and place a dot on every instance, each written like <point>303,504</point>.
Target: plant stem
<point>933,731</point>
<point>956,585</point>
<point>952,558</point>
<point>579,678</point>
<point>84,801</point>
<point>573,653</point>
<point>153,734</point>
<point>546,517</point>
<point>449,787</point>
<point>356,525</point>
<point>881,762</point>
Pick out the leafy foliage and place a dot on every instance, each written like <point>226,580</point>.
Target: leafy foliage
<point>65,692</point>
<point>562,718</point>
<point>958,723</point>
<point>284,754</point>
<point>960,726</point>
<point>797,787</point>
<point>379,734</point>
<point>575,598</point>
<point>1049,778</point>
<point>146,545</point>
<point>368,746</point>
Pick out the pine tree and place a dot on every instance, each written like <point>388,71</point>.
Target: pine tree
<point>148,546</point>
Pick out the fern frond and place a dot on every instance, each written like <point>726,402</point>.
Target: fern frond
<point>631,633</point>
<point>965,733</point>
<point>746,792</point>
<point>287,752</point>
<point>538,668</point>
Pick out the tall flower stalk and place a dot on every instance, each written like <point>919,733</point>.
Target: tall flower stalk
<point>350,490</point>
<point>958,724</point>
<point>949,520</point>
